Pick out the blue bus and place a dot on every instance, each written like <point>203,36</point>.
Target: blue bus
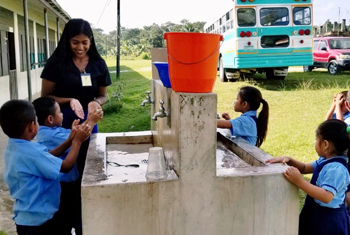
<point>264,36</point>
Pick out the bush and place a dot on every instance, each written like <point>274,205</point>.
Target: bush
<point>145,56</point>
<point>114,103</point>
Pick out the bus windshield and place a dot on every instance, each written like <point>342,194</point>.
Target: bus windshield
<point>274,16</point>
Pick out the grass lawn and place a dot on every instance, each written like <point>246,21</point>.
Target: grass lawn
<point>298,105</point>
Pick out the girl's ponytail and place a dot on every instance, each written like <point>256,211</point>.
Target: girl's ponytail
<point>254,98</point>
<point>262,123</point>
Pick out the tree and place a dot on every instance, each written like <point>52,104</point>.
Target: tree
<point>137,42</point>
<point>99,40</point>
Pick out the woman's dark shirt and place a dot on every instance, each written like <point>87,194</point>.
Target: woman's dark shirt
<point>68,80</point>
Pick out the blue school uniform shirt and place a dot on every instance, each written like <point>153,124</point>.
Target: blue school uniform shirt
<point>245,127</point>
<point>52,137</point>
<point>334,177</point>
<point>32,175</point>
<point>346,117</point>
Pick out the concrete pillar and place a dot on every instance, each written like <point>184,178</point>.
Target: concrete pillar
<point>57,38</point>
<point>343,24</point>
<point>47,36</point>
<point>35,45</point>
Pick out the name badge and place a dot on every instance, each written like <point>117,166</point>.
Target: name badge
<point>86,79</point>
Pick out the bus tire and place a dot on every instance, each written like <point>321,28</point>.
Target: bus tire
<point>270,75</point>
<point>307,68</point>
<point>222,72</point>
<point>333,67</point>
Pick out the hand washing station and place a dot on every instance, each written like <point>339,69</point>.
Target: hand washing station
<point>214,186</point>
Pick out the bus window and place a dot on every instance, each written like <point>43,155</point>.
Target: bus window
<point>274,16</point>
<point>302,15</point>
<point>228,25</point>
<point>275,41</point>
<point>246,17</point>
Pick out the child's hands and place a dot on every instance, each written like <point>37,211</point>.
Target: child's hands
<point>339,100</point>
<point>75,124</point>
<point>82,132</point>
<point>284,159</point>
<point>95,115</point>
<point>293,175</point>
<point>226,116</point>
<point>74,129</point>
<point>334,97</point>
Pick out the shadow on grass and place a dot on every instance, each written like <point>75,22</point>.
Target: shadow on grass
<point>303,81</point>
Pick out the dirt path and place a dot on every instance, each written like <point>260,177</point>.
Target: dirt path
<point>7,225</point>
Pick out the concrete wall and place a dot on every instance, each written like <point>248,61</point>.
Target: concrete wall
<point>202,201</point>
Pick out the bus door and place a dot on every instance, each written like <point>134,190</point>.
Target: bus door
<point>274,29</point>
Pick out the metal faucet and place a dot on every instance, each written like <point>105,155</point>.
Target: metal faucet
<point>162,113</point>
<point>148,99</point>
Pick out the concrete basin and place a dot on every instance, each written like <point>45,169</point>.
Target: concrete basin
<point>108,150</point>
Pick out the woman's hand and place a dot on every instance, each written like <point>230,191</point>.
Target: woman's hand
<point>77,108</point>
<point>93,105</point>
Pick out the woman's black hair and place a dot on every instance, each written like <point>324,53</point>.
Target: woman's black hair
<point>15,116</point>
<point>253,97</point>
<point>334,131</point>
<point>44,106</point>
<point>63,52</point>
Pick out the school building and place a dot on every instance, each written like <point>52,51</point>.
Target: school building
<point>36,23</point>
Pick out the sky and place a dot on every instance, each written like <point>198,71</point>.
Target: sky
<point>138,13</point>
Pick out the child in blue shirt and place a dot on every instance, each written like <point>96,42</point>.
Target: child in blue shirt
<point>31,172</point>
<point>248,125</point>
<point>339,108</point>
<point>324,211</point>
<point>51,135</point>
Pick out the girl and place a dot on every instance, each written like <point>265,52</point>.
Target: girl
<point>248,126</point>
<point>324,211</point>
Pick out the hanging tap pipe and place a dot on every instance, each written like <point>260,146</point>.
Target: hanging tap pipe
<point>162,113</point>
<point>148,99</point>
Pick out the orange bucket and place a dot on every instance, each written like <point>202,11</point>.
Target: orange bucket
<point>193,60</point>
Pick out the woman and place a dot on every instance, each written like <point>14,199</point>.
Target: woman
<point>77,78</point>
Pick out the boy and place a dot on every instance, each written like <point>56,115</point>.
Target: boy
<point>31,172</point>
<point>51,135</point>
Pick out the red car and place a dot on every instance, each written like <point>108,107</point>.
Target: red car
<point>332,53</point>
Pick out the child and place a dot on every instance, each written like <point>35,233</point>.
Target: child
<point>339,108</point>
<point>51,134</point>
<point>248,126</point>
<point>324,211</point>
<point>31,172</point>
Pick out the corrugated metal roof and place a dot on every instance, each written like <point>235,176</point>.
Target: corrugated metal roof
<point>56,8</point>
